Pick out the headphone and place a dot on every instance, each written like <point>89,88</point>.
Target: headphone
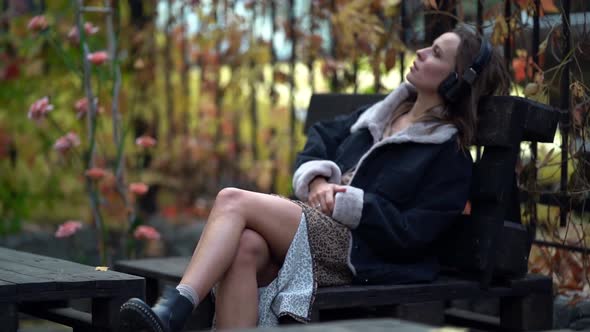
<point>451,88</point>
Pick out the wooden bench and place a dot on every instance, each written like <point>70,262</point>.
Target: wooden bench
<point>484,256</point>
<point>43,286</point>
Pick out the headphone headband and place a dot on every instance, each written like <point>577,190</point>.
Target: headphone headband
<point>483,57</point>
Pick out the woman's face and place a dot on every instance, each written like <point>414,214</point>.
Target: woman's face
<point>433,64</point>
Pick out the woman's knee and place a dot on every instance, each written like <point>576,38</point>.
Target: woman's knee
<point>229,199</point>
<point>253,250</point>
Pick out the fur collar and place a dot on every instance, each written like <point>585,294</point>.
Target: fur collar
<point>376,117</point>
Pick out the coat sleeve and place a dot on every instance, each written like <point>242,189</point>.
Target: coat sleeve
<point>316,158</point>
<point>440,199</point>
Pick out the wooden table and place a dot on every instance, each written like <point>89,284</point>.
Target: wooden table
<point>43,286</point>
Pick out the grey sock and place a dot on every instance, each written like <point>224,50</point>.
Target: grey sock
<point>188,292</point>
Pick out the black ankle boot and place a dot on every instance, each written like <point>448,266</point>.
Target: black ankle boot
<point>168,315</point>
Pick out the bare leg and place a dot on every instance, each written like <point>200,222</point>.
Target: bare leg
<point>274,218</point>
<point>236,302</point>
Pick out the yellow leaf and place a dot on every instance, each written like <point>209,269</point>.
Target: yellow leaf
<point>546,159</point>
<point>500,31</point>
<point>102,268</point>
<point>531,89</point>
<point>543,46</point>
<point>541,95</point>
<point>447,329</point>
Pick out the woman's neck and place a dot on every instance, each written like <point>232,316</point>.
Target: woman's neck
<point>423,103</point>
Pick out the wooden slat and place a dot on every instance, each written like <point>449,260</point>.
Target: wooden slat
<point>59,265</point>
<point>167,269</point>
<point>25,283</point>
<point>71,272</point>
<point>172,268</point>
<point>532,282</point>
<point>31,277</point>
<point>460,317</point>
<point>61,279</point>
<point>7,288</point>
<point>328,106</point>
<point>352,296</point>
<point>66,316</point>
<point>8,317</point>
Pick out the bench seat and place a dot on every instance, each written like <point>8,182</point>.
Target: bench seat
<point>530,296</point>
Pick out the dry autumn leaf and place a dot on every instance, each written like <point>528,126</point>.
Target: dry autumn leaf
<point>543,46</point>
<point>390,57</point>
<point>430,4</point>
<point>500,31</point>
<point>531,89</point>
<point>577,89</point>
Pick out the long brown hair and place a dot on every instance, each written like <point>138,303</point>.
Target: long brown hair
<point>493,80</point>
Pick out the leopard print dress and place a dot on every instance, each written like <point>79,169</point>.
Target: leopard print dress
<point>317,257</point>
<point>329,242</point>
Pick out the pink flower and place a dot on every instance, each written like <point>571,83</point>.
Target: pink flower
<point>90,28</point>
<point>39,109</point>
<point>74,34</point>
<point>81,107</point>
<point>98,58</point>
<point>146,233</point>
<point>95,173</point>
<point>37,23</point>
<point>138,188</point>
<point>67,142</point>
<point>145,141</point>
<point>68,229</point>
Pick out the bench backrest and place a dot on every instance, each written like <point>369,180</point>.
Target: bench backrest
<point>473,246</point>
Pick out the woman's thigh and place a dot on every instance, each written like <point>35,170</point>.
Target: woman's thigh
<point>276,219</point>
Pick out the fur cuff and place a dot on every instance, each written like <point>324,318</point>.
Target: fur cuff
<point>348,207</point>
<point>309,171</point>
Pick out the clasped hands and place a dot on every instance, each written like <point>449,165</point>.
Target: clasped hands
<point>322,194</point>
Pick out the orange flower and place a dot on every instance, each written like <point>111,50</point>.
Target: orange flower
<point>146,233</point>
<point>67,142</point>
<point>95,173</point>
<point>145,141</point>
<point>39,109</point>
<point>37,23</point>
<point>98,58</point>
<point>138,188</point>
<point>68,229</point>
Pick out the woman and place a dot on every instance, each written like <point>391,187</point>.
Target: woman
<point>378,186</point>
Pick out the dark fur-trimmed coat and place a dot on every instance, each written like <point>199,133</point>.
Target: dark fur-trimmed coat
<point>406,190</point>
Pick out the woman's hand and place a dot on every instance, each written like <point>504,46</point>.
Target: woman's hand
<point>322,193</point>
